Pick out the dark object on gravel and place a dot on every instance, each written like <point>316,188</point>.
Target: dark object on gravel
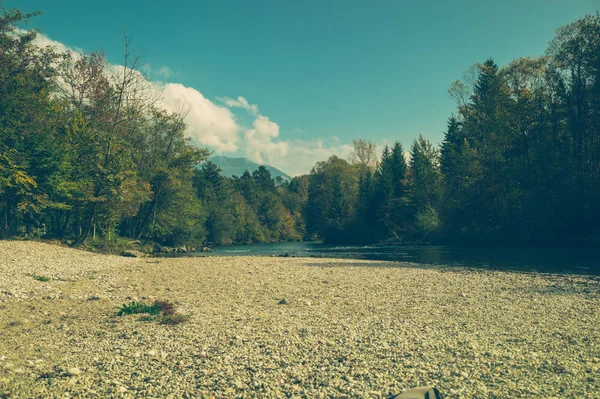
<point>285,255</point>
<point>419,393</point>
<point>283,302</point>
<point>132,254</point>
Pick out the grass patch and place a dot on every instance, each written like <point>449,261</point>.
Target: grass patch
<point>38,277</point>
<point>162,311</point>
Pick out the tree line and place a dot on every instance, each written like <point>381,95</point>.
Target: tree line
<point>519,163</point>
<point>87,154</point>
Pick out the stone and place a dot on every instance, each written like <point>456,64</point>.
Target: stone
<point>283,302</point>
<point>73,371</point>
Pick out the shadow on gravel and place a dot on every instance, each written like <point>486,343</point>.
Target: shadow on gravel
<point>449,268</point>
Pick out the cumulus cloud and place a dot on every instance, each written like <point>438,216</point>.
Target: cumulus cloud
<point>240,102</point>
<point>216,126</point>
<point>207,122</point>
<point>302,155</point>
<point>44,41</point>
<point>258,141</point>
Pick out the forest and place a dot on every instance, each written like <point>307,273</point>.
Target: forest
<point>86,155</point>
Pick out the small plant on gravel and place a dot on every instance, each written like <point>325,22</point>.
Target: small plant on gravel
<point>137,308</point>
<point>166,307</point>
<point>163,311</point>
<point>39,278</point>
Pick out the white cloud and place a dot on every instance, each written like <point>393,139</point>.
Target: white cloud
<point>44,41</point>
<point>207,122</point>
<point>216,126</point>
<point>164,72</point>
<point>240,102</point>
<point>258,143</point>
<point>304,154</point>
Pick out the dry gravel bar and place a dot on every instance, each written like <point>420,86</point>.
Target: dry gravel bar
<point>347,329</point>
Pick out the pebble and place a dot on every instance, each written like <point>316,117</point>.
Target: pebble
<point>73,371</point>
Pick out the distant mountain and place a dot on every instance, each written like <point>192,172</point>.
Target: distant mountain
<point>237,167</point>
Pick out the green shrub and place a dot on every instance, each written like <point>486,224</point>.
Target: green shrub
<point>163,311</point>
<point>139,307</point>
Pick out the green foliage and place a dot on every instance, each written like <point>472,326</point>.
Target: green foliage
<point>165,308</point>
<point>162,311</point>
<point>37,277</point>
<point>138,308</point>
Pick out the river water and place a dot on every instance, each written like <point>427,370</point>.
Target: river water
<point>548,260</point>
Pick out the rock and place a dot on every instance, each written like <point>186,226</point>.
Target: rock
<point>151,352</point>
<point>132,254</point>
<point>206,249</point>
<point>122,389</point>
<point>285,255</point>
<point>73,371</point>
<point>283,302</point>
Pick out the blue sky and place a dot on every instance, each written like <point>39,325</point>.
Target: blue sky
<point>321,73</point>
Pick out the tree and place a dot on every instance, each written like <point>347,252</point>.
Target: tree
<point>26,82</point>
<point>391,201</point>
<point>364,153</point>
<point>425,193</point>
<point>332,197</point>
<point>263,179</point>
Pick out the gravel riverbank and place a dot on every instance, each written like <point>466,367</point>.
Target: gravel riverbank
<point>350,329</point>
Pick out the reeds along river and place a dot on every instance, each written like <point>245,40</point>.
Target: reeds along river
<point>546,260</point>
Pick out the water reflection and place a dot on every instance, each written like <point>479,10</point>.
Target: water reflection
<point>551,260</point>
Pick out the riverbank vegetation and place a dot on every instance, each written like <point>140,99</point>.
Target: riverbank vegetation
<point>87,155</point>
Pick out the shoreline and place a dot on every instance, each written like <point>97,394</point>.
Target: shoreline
<point>349,329</point>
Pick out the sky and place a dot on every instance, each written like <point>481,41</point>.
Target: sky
<point>289,83</point>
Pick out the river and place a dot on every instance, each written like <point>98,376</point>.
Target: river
<point>547,260</point>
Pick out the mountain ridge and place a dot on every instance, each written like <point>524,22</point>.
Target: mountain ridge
<point>231,166</point>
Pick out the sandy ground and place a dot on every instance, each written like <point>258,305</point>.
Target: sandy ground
<point>350,329</point>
